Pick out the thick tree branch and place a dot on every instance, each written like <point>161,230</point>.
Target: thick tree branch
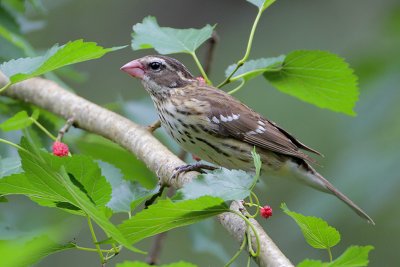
<point>136,139</point>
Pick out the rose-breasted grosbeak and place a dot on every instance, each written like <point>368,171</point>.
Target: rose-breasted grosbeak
<point>219,129</point>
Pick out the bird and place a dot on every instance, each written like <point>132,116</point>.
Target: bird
<point>219,129</point>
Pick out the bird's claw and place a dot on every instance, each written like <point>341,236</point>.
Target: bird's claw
<point>199,167</point>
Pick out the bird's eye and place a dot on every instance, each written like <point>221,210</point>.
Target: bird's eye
<point>155,65</point>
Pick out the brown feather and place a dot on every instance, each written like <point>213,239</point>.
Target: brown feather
<point>273,138</point>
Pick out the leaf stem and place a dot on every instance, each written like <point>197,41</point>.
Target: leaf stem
<point>5,87</point>
<point>41,127</point>
<point>237,253</point>
<point>115,248</point>
<point>330,253</point>
<point>248,261</point>
<point>250,245</point>
<point>257,253</point>
<point>237,88</point>
<point>257,203</point>
<point>203,73</point>
<point>14,145</point>
<point>248,49</point>
<point>99,251</point>
<point>93,249</point>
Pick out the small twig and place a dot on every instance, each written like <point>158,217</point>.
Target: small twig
<point>155,250</point>
<point>65,129</point>
<point>156,247</point>
<point>154,126</point>
<point>155,196</point>
<point>210,52</point>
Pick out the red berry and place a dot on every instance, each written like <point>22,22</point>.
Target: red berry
<point>266,212</point>
<point>201,80</point>
<point>60,149</point>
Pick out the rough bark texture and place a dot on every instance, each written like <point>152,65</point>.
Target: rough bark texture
<point>136,139</point>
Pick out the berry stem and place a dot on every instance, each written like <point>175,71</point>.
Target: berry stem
<point>257,204</point>
<point>203,73</point>
<point>65,129</point>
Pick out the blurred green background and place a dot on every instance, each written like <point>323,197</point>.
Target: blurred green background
<point>362,153</point>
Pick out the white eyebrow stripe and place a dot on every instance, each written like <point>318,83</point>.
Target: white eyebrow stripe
<point>161,60</point>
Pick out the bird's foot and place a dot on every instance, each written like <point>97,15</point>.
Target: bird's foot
<point>199,167</point>
<point>154,126</point>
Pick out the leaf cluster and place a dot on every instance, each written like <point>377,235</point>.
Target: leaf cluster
<point>320,235</point>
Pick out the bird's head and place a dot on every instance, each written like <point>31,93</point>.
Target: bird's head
<point>159,73</point>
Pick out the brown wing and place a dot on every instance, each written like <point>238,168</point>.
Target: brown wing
<point>231,118</point>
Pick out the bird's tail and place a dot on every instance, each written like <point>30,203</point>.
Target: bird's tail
<point>316,180</point>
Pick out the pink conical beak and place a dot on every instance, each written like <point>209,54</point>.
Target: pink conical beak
<point>134,68</point>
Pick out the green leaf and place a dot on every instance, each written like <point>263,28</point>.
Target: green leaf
<point>19,121</point>
<point>164,40</point>
<point>255,67</point>
<point>81,200</point>
<point>311,263</point>
<point>56,57</point>
<point>261,4</point>
<point>26,246</point>
<point>354,256</point>
<point>16,40</point>
<point>10,165</point>
<point>316,231</point>
<point>166,215</point>
<point>319,78</point>
<point>105,150</point>
<point>52,181</point>
<point>16,6</point>
<point>15,253</point>
<point>223,183</point>
<point>88,174</point>
<point>20,184</point>
<point>143,264</point>
<point>126,195</point>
